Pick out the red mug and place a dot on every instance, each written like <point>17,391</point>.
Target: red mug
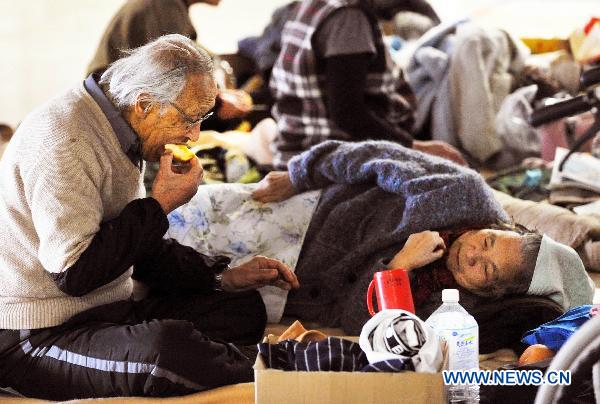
<point>392,288</point>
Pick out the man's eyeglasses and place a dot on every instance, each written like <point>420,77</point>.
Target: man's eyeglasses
<point>189,121</point>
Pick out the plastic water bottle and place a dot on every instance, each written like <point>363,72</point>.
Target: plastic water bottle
<point>461,332</point>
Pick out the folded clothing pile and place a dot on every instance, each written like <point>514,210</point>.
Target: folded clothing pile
<point>391,341</point>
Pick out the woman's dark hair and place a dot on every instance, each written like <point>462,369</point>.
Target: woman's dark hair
<point>530,247</point>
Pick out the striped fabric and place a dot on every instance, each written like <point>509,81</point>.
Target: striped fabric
<point>332,354</point>
<point>297,83</point>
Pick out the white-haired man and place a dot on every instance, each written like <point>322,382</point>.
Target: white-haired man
<point>75,227</point>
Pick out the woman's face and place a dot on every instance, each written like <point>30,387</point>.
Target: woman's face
<point>483,257</point>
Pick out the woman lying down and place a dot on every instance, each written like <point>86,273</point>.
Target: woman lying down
<point>344,211</point>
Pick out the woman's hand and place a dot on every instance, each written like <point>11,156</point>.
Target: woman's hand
<point>259,271</point>
<point>420,249</point>
<point>234,104</point>
<point>275,187</point>
<point>440,149</point>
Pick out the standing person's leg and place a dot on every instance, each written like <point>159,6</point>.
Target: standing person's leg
<point>233,317</point>
<point>107,352</point>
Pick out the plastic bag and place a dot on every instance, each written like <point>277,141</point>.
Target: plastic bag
<point>585,42</point>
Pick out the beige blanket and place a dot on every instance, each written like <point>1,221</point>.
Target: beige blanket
<point>582,232</point>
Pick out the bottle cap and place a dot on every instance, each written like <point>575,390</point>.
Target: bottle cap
<point>450,295</point>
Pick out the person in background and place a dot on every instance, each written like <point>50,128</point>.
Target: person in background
<point>6,133</point>
<point>334,79</point>
<point>75,229</point>
<point>264,50</point>
<point>140,21</point>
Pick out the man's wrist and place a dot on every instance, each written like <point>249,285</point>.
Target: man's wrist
<point>218,280</point>
<point>218,286</point>
<point>166,208</point>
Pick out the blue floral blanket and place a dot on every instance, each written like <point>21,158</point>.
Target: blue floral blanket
<point>223,219</point>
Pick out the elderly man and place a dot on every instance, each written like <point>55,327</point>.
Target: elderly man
<point>75,227</point>
<point>334,79</point>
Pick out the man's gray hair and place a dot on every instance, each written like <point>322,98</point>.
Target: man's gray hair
<point>158,71</point>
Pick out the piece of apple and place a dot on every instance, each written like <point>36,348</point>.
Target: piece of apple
<point>180,152</point>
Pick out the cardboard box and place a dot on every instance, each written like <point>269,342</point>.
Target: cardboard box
<point>278,386</point>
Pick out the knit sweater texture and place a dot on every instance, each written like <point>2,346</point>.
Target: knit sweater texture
<point>63,174</point>
<point>375,195</point>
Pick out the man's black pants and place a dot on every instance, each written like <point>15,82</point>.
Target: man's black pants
<point>159,346</point>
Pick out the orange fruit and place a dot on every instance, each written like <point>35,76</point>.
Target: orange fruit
<point>535,353</point>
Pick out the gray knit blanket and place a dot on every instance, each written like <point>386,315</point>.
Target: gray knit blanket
<point>375,194</point>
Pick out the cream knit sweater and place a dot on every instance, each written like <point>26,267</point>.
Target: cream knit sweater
<point>62,175</point>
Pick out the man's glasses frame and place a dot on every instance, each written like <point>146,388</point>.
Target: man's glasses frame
<point>189,121</point>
